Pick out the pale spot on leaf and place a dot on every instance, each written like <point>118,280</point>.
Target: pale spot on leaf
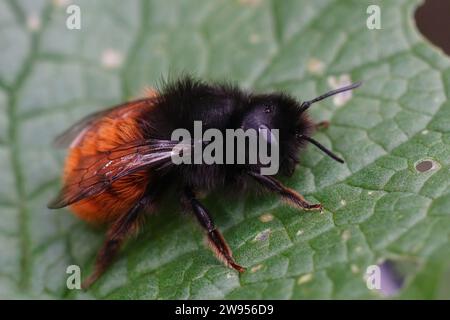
<point>345,235</point>
<point>266,217</point>
<point>304,278</point>
<point>315,66</point>
<point>34,22</point>
<point>254,38</point>
<point>354,268</point>
<point>256,268</point>
<point>61,3</point>
<point>111,58</point>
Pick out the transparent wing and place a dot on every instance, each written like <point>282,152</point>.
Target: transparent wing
<point>96,173</point>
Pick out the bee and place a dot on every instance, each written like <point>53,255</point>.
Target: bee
<point>119,163</point>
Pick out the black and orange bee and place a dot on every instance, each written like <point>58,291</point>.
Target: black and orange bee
<point>119,163</point>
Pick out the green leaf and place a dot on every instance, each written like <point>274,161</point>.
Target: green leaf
<point>378,206</point>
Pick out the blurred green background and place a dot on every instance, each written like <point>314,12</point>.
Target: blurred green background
<point>378,206</point>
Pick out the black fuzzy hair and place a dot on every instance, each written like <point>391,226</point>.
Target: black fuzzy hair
<point>224,106</point>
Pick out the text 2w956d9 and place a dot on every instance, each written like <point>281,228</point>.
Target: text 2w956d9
<point>245,309</point>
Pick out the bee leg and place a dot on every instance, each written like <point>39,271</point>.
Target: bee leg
<point>119,231</point>
<point>289,195</point>
<point>215,238</point>
<point>322,125</point>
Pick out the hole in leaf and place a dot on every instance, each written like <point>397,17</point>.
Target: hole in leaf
<point>432,19</point>
<point>425,165</point>
<point>391,279</point>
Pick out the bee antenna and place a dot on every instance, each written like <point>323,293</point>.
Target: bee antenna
<point>321,147</point>
<point>306,104</point>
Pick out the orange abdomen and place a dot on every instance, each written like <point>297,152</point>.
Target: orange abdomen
<point>117,128</point>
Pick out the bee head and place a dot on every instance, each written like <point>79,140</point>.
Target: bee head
<point>282,112</point>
